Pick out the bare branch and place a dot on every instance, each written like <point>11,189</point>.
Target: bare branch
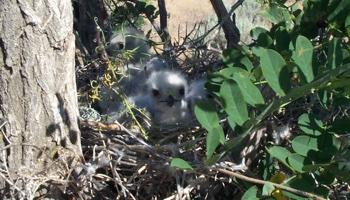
<point>229,26</point>
<point>164,34</point>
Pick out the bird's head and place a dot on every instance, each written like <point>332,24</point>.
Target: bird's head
<point>167,87</point>
<point>128,40</point>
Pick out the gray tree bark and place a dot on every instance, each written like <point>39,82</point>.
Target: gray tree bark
<point>38,100</point>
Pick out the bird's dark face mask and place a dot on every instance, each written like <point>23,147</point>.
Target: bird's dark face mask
<point>170,100</point>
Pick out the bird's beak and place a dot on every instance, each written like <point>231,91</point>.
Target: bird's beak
<point>170,100</point>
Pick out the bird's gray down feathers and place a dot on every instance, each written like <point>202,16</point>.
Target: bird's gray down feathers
<point>163,93</point>
<point>166,94</point>
<point>130,41</point>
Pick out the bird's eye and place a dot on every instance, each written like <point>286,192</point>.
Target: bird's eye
<point>182,91</point>
<point>155,92</point>
<point>119,46</point>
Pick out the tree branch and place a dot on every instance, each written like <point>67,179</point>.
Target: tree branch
<point>164,33</point>
<point>261,182</point>
<point>229,26</point>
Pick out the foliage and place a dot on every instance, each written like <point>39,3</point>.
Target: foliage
<point>132,13</point>
<point>305,54</point>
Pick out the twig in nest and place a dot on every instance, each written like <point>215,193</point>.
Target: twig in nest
<point>105,126</point>
<point>261,182</point>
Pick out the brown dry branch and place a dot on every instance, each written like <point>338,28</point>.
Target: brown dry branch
<point>261,182</point>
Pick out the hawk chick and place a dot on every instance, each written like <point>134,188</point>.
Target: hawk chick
<point>165,98</point>
<point>128,40</point>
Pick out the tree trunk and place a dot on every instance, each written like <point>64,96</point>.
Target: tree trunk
<point>38,100</point>
<point>228,25</point>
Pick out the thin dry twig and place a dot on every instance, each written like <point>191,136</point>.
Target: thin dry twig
<point>261,182</point>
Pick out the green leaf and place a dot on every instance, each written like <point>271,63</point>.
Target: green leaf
<point>214,138</point>
<point>255,32</point>
<point>205,112</point>
<point>324,96</point>
<point>300,183</point>
<point>346,54</point>
<point>341,172</point>
<point>181,164</point>
<point>347,25</point>
<point>230,71</point>
<point>250,92</point>
<point>277,15</point>
<point>340,127</point>
<point>233,101</point>
<point>214,159</point>
<point>258,51</point>
<point>303,57</point>
<point>314,167</point>
<point>268,188</point>
<point>290,195</point>
<point>305,145</point>
<point>328,146</point>
<point>234,142</point>
<point>280,153</point>
<point>282,39</point>
<point>214,83</point>
<point>275,71</point>
<point>326,177</point>
<point>265,40</point>
<point>250,194</point>
<point>231,122</point>
<point>322,191</point>
<point>297,162</point>
<point>235,58</point>
<point>335,54</point>
<point>311,124</point>
<point>338,9</point>
<point>319,83</point>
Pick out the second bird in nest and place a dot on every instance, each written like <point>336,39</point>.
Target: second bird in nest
<point>163,93</point>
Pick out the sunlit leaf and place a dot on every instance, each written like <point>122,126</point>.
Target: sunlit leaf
<point>205,112</point>
<point>231,122</point>
<point>280,153</point>
<point>305,145</point>
<point>275,71</point>
<point>303,56</point>
<point>255,32</point>
<point>268,188</point>
<point>214,138</point>
<point>311,124</point>
<point>181,164</point>
<point>335,54</point>
<point>277,14</point>
<point>233,101</point>
<point>251,193</point>
<point>214,159</point>
<point>235,58</point>
<point>297,162</point>
<point>250,92</point>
